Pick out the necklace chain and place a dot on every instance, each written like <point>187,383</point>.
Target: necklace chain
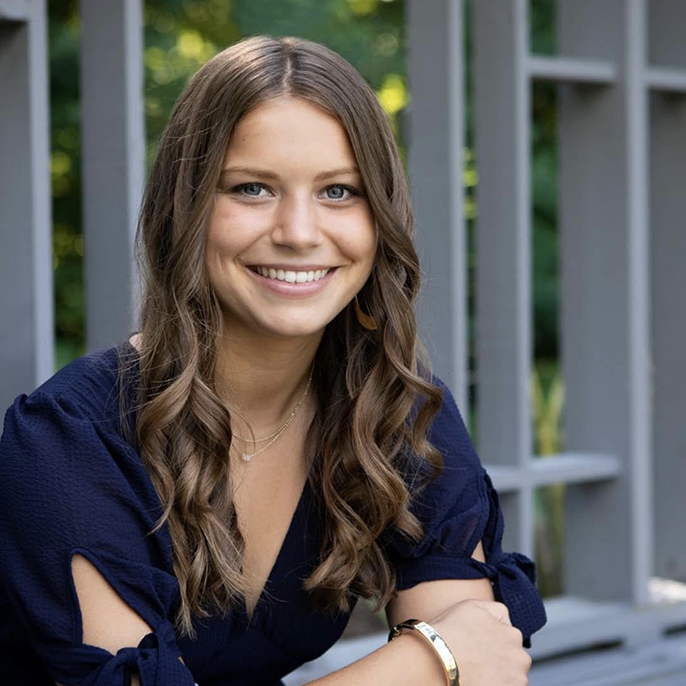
<point>273,437</point>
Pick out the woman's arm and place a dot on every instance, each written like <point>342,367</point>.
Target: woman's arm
<point>107,621</point>
<point>487,649</point>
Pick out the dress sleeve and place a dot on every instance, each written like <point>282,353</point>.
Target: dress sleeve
<point>458,509</point>
<point>70,485</point>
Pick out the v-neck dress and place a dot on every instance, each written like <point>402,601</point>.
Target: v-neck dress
<point>70,483</point>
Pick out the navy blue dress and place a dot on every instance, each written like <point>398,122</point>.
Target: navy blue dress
<point>70,483</point>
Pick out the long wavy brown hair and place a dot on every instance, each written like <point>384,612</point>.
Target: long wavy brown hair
<point>375,400</point>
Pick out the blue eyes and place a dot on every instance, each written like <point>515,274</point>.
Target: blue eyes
<point>336,192</point>
<point>252,190</point>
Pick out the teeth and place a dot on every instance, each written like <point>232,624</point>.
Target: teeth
<point>291,276</point>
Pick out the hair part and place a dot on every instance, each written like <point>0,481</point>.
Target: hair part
<point>374,409</point>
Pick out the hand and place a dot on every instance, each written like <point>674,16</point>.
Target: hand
<point>487,648</point>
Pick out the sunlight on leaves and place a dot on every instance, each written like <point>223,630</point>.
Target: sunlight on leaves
<point>363,7</point>
<point>190,44</point>
<point>393,94</point>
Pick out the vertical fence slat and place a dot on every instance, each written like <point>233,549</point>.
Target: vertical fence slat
<point>113,161</point>
<point>503,243</point>
<point>436,142</point>
<point>667,23</point>
<point>605,287</point>
<point>26,292</point>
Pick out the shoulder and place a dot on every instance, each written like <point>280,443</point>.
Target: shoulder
<point>87,388</point>
<point>69,424</point>
<point>64,456</point>
<point>449,434</point>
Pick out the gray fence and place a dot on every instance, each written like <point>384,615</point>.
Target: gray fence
<point>621,75</point>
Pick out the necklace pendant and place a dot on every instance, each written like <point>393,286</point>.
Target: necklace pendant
<point>246,457</point>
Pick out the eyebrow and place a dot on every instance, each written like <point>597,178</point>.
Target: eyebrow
<point>266,174</point>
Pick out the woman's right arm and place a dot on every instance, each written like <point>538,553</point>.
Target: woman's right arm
<point>478,629</point>
<point>74,520</point>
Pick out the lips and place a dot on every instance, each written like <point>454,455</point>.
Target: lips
<point>291,276</point>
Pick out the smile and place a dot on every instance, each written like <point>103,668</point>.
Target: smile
<point>291,276</point>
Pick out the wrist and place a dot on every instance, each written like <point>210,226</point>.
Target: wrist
<point>435,644</point>
<point>418,658</point>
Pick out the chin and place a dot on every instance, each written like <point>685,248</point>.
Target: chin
<point>293,328</point>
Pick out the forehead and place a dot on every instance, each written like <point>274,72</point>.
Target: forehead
<point>289,131</point>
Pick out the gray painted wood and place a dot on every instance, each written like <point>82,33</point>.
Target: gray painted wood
<point>503,243</point>
<point>668,217</point>
<point>567,468</point>
<point>26,295</point>
<point>15,10</point>
<point>605,299</point>
<point>659,664</point>
<point>436,143</point>
<point>666,27</point>
<point>113,162</point>
<point>569,69</point>
<point>666,80</point>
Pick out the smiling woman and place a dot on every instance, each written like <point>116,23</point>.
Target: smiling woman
<point>207,501</point>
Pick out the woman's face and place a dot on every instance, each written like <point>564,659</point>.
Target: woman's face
<point>291,238</point>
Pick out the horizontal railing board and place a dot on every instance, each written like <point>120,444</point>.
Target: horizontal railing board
<point>568,468</point>
<point>576,624</point>
<point>14,10</point>
<point>662,663</point>
<point>667,80</point>
<point>572,70</point>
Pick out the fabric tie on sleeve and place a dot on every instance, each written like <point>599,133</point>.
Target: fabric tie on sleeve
<point>510,574</point>
<point>155,661</point>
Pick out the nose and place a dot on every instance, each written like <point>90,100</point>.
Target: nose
<point>296,225</point>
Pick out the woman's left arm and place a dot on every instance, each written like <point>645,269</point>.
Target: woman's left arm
<point>430,598</point>
<point>487,649</point>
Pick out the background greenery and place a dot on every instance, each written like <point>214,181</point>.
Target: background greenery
<point>180,35</point>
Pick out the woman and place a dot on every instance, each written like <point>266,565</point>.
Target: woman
<point>206,502</point>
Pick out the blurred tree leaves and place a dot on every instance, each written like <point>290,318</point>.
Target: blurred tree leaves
<point>65,168</point>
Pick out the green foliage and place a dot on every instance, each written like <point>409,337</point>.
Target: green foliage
<point>66,173</point>
<point>542,34</point>
<point>547,399</point>
<point>545,233</point>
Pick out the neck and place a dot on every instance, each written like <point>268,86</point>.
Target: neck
<point>263,379</point>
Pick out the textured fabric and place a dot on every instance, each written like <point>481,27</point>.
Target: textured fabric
<point>71,484</point>
<point>458,510</point>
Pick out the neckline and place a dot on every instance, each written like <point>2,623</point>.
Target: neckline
<point>273,576</point>
<point>276,574</point>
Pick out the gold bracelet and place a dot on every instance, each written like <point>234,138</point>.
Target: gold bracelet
<point>429,634</point>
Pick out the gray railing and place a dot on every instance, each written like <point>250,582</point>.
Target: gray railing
<point>622,160</point>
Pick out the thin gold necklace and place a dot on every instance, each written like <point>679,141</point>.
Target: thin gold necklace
<point>274,437</point>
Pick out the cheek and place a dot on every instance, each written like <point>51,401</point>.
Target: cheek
<point>358,235</point>
<point>231,230</point>
<point>369,245</point>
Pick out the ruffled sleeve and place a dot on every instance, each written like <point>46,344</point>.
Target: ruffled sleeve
<point>69,484</point>
<point>459,509</point>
